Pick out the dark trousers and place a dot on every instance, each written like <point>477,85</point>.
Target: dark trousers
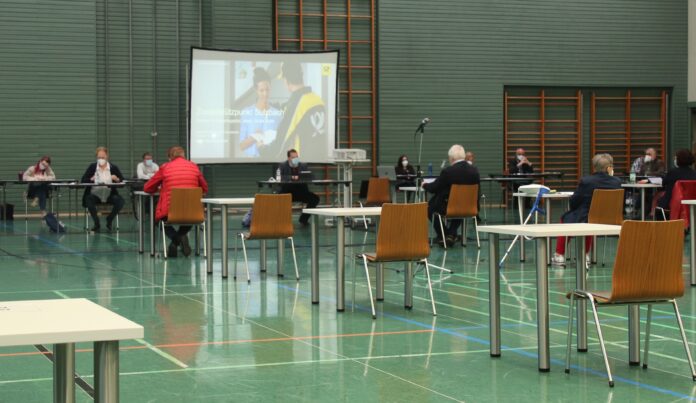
<point>175,235</point>
<point>39,190</point>
<point>114,199</point>
<point>300,193</point>
<point>451,227</point>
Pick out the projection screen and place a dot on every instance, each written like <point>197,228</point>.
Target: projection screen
<point>251,107</point>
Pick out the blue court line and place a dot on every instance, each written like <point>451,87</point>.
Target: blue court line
<point>506,348</point>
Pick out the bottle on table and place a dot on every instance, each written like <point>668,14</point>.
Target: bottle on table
<point>430,169</point>
<point>632,176</point>
<point>277,178</point>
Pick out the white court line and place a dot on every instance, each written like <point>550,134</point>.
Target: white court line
<point>162,353</point>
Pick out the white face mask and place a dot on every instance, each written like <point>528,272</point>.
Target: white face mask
<point>148,163</point>
<point>647,158</point>
<point>610,171</point>
<point>470,162</point>
<point>404,163</point>
<point>43,166</point>
<point>519,157</point>
<point>101,162</point>
<point>675,163</point>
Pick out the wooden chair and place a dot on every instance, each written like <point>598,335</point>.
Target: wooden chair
<point>402,237</point>
<point>462,204</point>
<point>378,193</point>
<point>185,208</point>
<point>606,208</point>
<point>647,270</point>
<point>272,219</point>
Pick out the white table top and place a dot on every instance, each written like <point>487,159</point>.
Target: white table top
<point>55,321</point>
<point>411,189</point>
<point>344,212</point>
<point>691,202</point>
<point>552,230</point>
<point>640,185</point>
<point>230,201</point>
<point>142,193</point>
<point>557,195</point>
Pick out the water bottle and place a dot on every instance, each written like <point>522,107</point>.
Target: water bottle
<point>430,169</point>
<point>632,176</point>
<point>277,175</point>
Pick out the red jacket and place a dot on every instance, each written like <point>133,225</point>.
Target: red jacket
<point>178,173</point>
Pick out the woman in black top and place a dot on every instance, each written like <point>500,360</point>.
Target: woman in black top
<point>405,173</point>
<point>684,161</point>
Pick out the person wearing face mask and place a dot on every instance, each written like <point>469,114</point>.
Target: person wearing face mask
<point>683,170</point>
<point>39,176</point>
<point>177,173</point>
<point>602,178</point>
<point>648,164</point>
<point>458,173</point>
<point>147,168</point>
<point>520,164</point>
<point>102,172</point>
<point>291,170</point>
<point>469,158</point>
<point>405,173</point>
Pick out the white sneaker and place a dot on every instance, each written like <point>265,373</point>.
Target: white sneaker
<point>558,260</point>
<point>588,261</point>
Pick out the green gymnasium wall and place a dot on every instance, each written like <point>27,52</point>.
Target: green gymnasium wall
<point>76,74</point>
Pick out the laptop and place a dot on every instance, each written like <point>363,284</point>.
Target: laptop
<point>386,171</point>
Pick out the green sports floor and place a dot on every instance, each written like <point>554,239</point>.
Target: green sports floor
<point>213,340</point>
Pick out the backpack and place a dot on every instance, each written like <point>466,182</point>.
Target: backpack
<point>53,224</point>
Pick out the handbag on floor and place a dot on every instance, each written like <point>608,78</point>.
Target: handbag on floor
<point>53,224</point>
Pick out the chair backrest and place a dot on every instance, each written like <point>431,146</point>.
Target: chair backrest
<point>648,262</point>
<point>272,216</point>
<point>378,191</point>
<point>463,201</point>
<point>185,206</point>
<point>403,232</point>
<point>606,207</point>
<point>683,190</point>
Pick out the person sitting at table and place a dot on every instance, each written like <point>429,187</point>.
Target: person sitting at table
<point>38,177</point>
<point>470,157</point>
<point>177,173</point>
<point>683,170</point>
<point>602,178</point>
<point>458,173</point>
<point>147,168</point>
<point>520,164</point>
<point>405,173</point>
<point>102,172</point>
<point>648,164</point>
<point>290,171</point>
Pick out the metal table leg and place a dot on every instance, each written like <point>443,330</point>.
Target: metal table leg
<point>494,293</point>
<point>542,306</point>
<point>152,225</point>
<point>642,204</point>
<point>315,261</point>
<point>520,206</point>
<point>380,281</point>
<point>692,242</point>
<point>64,373</point>
<point>548,221</point>
<point>262,256</point>
<point>106,371</point>
<point>340,264</point>
<point>281,250</point>
<point>581,284</point>
<point>634,334</point>
<point>223,233</point>
<point>408,286</point>
<point>209,239</point>
<point>141,236</point>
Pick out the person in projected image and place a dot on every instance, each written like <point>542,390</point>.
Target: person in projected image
<point>259,121</point>
<point>303,126</point>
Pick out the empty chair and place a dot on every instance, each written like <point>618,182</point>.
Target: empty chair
<point>185,208</point>
<point>272,219</point>
<point>647,270</point>
<point>378,193</point>
<point>402,237</point>
<point>462,204</point>
<point>606,208</point>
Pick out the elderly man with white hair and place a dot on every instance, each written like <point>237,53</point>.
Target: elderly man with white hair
<point>459,172</point>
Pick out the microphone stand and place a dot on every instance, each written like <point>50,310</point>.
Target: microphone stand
<point>419,172</point>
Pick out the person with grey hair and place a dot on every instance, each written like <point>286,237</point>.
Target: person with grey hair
<point>459,173</point>
<point>648,164</point>
<point>602,178</point>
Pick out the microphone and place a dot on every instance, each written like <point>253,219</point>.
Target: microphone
<point>422,125</point>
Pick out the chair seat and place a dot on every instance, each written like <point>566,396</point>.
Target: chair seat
<point>604,298</point>
<point>372,257</point>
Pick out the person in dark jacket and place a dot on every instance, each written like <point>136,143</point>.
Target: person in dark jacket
<point>102,172</point>
<point>520,164</point>
<point>684,161</point>
<point>602,178</point>
<point>405,174</point>
<point>458,173</point>
<point>291,170</point>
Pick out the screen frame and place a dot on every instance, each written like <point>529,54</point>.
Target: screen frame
<point>262,52</point>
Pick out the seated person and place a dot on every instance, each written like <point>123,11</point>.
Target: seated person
<point>458,173</point>
<point>405,174</point>
<point>102,172</point>
<point>180,173</point>
<point>40,176</point>
<point>290,170</point>
<point>147,168</point>
<point>683,170</point>
<point>648,164</point>
<point>602,178</point>
<point>469,158</point>
<point>520,164</point>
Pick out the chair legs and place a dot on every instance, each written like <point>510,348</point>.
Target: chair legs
<point>571,312</point>
<point>442,230</point>
<point>364,218</point>
<point>430,286</point>
<point>601,341</point>
<point>647,337</point>
<point>164,240</point>
<point>478,242</point>
<point>294,258</point>
<point>686,343</point>
<point>369,287</point>
<point>246,259</point>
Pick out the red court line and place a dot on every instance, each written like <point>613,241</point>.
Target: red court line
<point>227,342</point>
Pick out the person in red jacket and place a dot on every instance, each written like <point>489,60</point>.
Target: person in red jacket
<point>177,173</point>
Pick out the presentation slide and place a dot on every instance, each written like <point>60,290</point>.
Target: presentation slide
<point>252,107</point>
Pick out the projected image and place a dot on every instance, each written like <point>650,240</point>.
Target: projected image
<point>253,107</point>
